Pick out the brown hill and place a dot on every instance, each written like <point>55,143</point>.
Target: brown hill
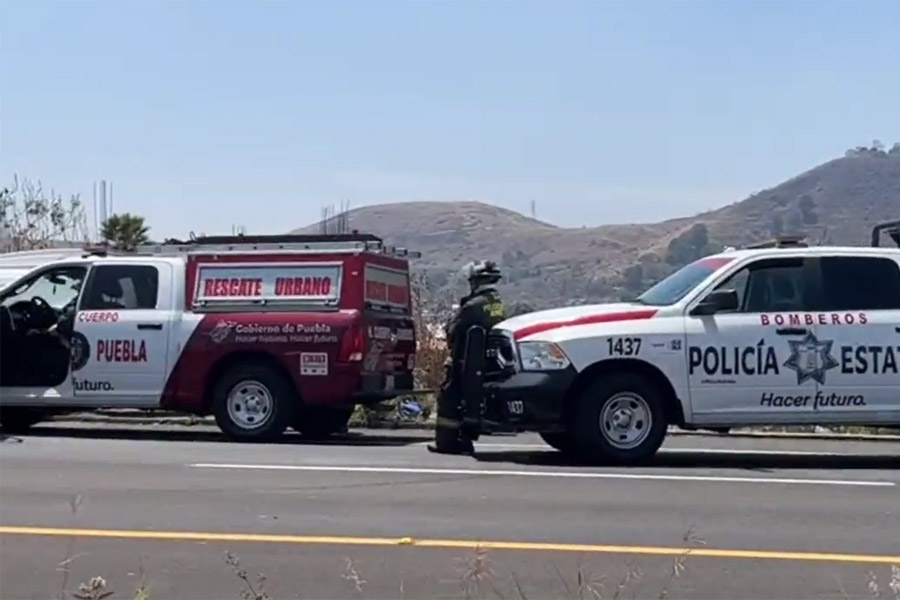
<point>837,202</point>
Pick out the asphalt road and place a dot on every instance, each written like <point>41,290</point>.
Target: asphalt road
<point>378,516</point>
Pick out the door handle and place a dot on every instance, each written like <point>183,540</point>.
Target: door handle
<point>791,331</point>
<point>143,326</point>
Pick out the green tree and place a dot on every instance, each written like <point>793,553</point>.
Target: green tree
<point>633,278</point>
<point>125,231</point>
<point>807,208</point>
<point>794,223</point>
<point>689,246</point>
<point>699,237</point>
<point>777,225</point>
<point>518,307</point>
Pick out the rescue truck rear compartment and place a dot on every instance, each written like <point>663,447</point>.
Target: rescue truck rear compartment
<point>342,327</point>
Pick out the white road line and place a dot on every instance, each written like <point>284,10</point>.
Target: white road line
<point>677,450</point>
<point>750,451</point>
<point>558,474</point>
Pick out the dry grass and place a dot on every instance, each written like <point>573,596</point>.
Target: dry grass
<point>94,589</point>
<point>477,578</point>
<point>250,589</point>
<point>97,587</point>
<point>351,575</point>
<point>893,585</point>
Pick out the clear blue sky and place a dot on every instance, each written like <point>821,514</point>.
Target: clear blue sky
<point>204,113</point>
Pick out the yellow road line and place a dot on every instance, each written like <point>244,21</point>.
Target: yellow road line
<point>462,544</point>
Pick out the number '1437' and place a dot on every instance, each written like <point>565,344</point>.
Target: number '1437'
<point>626,346</point>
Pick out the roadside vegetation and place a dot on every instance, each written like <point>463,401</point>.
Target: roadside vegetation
<point>477,578</point>
<point>33,218</point>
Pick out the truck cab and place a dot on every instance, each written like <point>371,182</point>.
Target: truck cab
<point>263,333</point>
<point>776,334</point>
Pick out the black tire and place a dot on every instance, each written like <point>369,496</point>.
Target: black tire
<point>18,419</point>
<point>631,391</point>
<point>275,391</point>
<point>319,422</point>
<point>562,441</point>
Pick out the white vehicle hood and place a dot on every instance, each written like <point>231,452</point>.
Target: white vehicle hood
<point>531,325</point>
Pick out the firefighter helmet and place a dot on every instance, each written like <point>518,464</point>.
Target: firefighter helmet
<point>481,273</point>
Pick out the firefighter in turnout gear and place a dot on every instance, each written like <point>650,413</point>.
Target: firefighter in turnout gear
<point>460,400</point>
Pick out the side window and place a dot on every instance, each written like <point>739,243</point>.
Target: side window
<point>860,283</point>
<point>737,283</point>
<point>771,285</point>
<point>121,287</point>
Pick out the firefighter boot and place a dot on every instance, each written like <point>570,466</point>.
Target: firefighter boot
<point>448,440</point>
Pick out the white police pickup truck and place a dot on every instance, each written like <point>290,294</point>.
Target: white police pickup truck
<point>776,334</point>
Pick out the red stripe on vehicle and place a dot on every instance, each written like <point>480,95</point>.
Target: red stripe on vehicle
<point>716,262</point>
<point>589,320</point>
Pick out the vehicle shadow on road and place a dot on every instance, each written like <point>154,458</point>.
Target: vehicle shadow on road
<point>353,439</point>
<point>677,459</point>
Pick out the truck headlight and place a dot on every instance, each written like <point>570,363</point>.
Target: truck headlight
<point>542,356</point>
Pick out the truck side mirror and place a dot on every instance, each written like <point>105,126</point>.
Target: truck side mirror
<point>717,301</point>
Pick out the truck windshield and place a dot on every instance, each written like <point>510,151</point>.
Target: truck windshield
<point>679,284</point>
<point>57,287</point>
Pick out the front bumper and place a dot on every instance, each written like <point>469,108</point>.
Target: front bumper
<point>528,401</point>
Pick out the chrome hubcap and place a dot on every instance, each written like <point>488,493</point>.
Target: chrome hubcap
<point>249,405</point>
<point>626,420</point>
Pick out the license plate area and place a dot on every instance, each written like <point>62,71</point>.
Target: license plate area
<point>515,408</point>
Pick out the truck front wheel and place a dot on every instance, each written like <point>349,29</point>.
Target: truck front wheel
<point>254,403</point>
<point>562,441</point>
<point>621,419</point>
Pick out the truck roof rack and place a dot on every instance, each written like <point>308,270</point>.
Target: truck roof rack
<point>290,238</point>
<point>891,228</point>
<point>782,241</point>
<point>354,242</point>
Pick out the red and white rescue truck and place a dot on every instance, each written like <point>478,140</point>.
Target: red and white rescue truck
<point>263,332</point>
<point>777,334</point>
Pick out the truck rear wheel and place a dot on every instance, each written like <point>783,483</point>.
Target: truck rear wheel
<point>621,419</point>
<point>317,422</point>
<point>254,403</point>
